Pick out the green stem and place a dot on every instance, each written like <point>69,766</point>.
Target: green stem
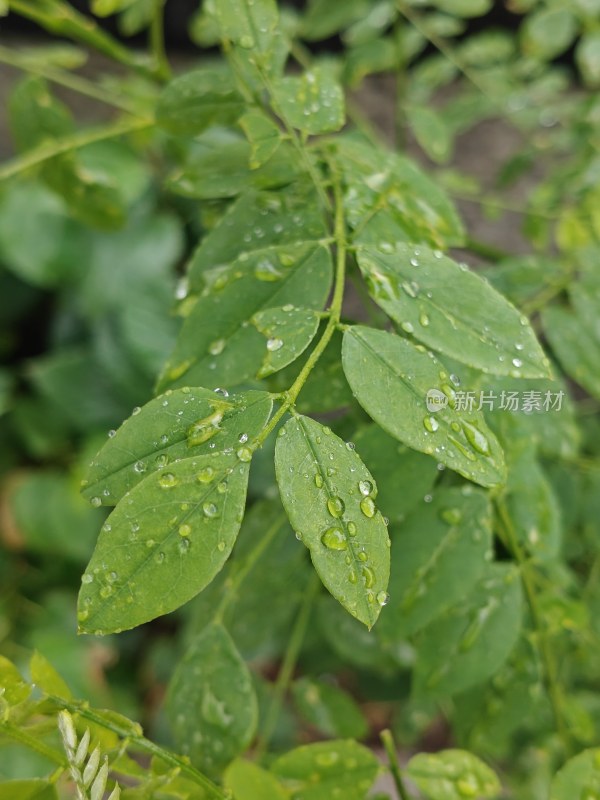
<point>64,20</point>
<point>33,742</point>
<point>74,142</point>
<point>66,79</point>
<point>211,790</point>
<point>390,748</point>
<point>334,312</point>
<point>544,648</point>
<point>288,665</point>
<point>233,584</point>
<point>157,41</point>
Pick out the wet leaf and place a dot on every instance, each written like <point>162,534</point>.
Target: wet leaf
<point>248,781</point>
<point>312,103</point>
<point>580,777</point>
<point>330,709</point>
<point>329,496</point>
<point>439,553</point>
<point>263,135</point>
<point>211,704</point>
<point>177,425</point>
<point>289,331</point>
<point>392,379</point>
<point>452,775</point>
<point>575,346</point>
<point>451,309</point>
<point>164,542</point>
<point>471,641</point>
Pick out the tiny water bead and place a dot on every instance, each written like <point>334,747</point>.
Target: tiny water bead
<point>243,438</point>
<point>274,344</point>
<point>431,424</point>
<point>368,576</point>
<point>206,475</point>
<point>365,487</point>
<point>96,501</point>
<point>351,528</point>
<point>210,509</point>
<point>383,598</point>
<point>185,529</point>
<point>87,578</point>
<point>139,467</point>
<point>216,348</point>
<point>334,539</point>
<point>167,480</point>
<point>367,506</point>
<point>336,506</point>
<point>318,480</point>
<point>222,487</point>
<point>244,454</point>
<point>476,438</point>
<point>451,515</point>
<point>221,392</point>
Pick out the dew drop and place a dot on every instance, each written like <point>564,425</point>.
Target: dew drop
<point>139,467</point>
<point>185,529</point>
<point>431,424</point>
<point>243,438</point>
<point>335,506</point>
<point>221,392</point>
<point>210,510</point>
<point>167,480</point>
<point>244,454</point>
<point>274,344</point>
<point>451,515</point>
<point>222,487</point>
<point>365,488</point>
<point>367,506</point>
<point>87,578</point>
<point>318,480</point>
<point>334,539</point>
<point>111,433</point>
<point>206,475</point>
<point>221,546</point>
<point>383,598</point>
<point>352,529</point>
<point>368,576</point>
<point>96,502</point>
<point>216,348</point>
<point>105,592</point>
<point>517,362</point>
<point>476,438</point>
<point>349,445</point>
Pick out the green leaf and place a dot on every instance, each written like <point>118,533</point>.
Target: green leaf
<point>314,771</point>
<point>217,343</point>
<point>46,678</point>
<point>439,554</point>
<point>211,703</point>
<point>431,133</point>
<point>34,789</point>
<point>13,688</point>
<point>451,309</point>
<point>580,777</point>
<point>329,495</point>
<point>250,24</point>
<point>225,171</point>
<point>452,775</point>
<point>289,331</point>
<point>247,781</point>
<point>263,136</point>
<point>388,199</point>
<point>464,8</point>
<point>330,709</point>
<point>324,18</point>
<point>104,8</point>
<point>195,101</point>
<point>548,32</point>
<point>532,505</point>
<point>312,103</point>
<point>403,476</point>
<point>381,367</point>
<point>255,222</point>
<point>472,640</point>
<point>164,542</point>
<point>576,348</point>
<point>174,426</point>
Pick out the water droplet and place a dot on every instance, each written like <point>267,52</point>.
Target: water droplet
<point>423,319</point>
<point>349,445</point>
<point>517,362</point>
<point>367,506</point>
<point>210,509</point>
<point>428,498</point>
<point>105,592</point>
<point>368,576</point>
<point>431,424</point>
<point>265,270</point>
<point>334,539</point>
<point>159,557</point>
<point>135,411</point>
<point>407,327</point>
<point>216,347</point>
<point>206,475</point>
<point>221,392</point>
<point>365,487</point>
<point>222,487</point>
<point>318,480</point>
<point>87,578</point>
<point>414,262</point>
<point>221,546</point>
<point>274,344</point>
<point>96,501</point>
<point>184,544</point>
<point>167,480</point>
<point>335,506</point>
<point>243,438</point>
<point>244,454</point>
<point>111,433</point>
<point>476,438</point>
<point>139,467</point>
<point>352,529</point>
<point>383,598</point>
<point>185,529</point>
<point>451,515</point>
<point>411,289</point>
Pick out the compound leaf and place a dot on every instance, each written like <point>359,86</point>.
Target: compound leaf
<point>312,103</point>
<point>329,496</point>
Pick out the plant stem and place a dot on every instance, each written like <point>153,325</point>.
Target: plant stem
<point>74,82</point>
<point>545,651</point>
<point>334,312</point>
<point>390,748</point>
<point>66,21</point>
<point>74,142</point>
<point>288,665</point>
<point>211,790</point>
<point>157,41</point>
<point>233,584</point>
